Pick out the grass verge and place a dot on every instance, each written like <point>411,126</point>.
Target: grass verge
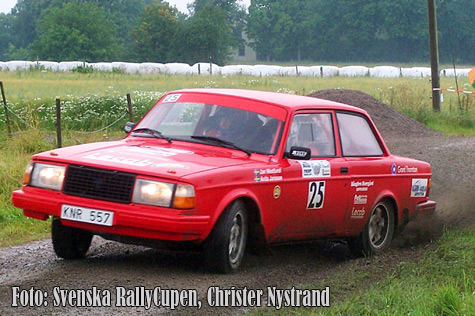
<point>440,282</point>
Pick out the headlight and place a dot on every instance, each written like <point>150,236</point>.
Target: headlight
<point>46,176</point>
<point>164,194</point>
<point>153,192</point>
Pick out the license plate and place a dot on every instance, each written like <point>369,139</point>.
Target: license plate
<point>87,215</point>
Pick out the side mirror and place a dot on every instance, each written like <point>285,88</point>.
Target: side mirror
<point>129,126</point>
<point>299,153</point>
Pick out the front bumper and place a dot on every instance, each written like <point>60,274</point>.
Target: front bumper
<point>134,220</point>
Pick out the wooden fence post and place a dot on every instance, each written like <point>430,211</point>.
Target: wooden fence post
<point>58,123</point>
<point>129,106</point>
<point>9,127</point>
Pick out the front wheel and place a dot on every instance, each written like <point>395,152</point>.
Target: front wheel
<point>225,247</point>
<point>377,235</point>
<point>69,242</point>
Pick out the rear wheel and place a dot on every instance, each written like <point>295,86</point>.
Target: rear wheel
<point>377,235</point>
<point>225,247</point>
<point>69,242</point>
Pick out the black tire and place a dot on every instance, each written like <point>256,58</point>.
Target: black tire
<point>377,234</point>
<point>68,242</point>
<point>225,246</point>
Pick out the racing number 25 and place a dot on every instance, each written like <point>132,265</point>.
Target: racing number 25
<point>316,194</point>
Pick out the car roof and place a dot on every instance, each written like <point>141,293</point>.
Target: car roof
<point>289,101</point>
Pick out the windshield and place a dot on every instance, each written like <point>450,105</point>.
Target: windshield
<point>188,121</point>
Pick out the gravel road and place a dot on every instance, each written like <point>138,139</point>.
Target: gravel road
<point>110,265</point>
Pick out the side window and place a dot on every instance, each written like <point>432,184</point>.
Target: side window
<point>314,131</point>
<point>357,137</point>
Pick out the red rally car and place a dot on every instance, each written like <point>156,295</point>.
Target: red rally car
<point>225,169</point>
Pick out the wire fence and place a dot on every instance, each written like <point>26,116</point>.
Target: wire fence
<point>81,119</point>
<point>81,114</point>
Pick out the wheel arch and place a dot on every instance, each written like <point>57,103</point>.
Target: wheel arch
<point>256,233</point>
<point>392,201</point>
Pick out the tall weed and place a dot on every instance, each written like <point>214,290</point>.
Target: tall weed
<point>415,102</point>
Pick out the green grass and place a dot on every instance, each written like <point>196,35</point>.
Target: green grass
<point>15,153</point>
<point>442,282</point>
<point>456,117</point>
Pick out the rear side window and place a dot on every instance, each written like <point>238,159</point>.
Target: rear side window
<point>357,137</point>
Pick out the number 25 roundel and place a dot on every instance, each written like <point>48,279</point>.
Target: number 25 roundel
<point>316,194</point>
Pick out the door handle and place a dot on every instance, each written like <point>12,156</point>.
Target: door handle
<point>344,170</point>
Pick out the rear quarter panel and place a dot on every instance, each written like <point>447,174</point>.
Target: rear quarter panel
<point>378,178</point>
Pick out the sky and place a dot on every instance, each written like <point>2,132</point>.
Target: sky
<point>7,5</point>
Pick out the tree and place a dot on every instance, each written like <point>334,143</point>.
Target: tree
<point>206,37</point>
<point>235,16</point>
<point>157,32</point>
<point>26,14</point>
<point>279,28</point>
<point>260,28</point>
<point>339,30</point>
<point>126,15</point>
<point>5,35</point>
<point>456,30</point>
<point>76,31</point>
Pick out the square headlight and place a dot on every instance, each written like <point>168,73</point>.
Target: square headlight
<point>47,176</point>
<point>153,192</point>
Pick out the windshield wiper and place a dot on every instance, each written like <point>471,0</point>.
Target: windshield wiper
<point>153,132</point>
<point>217,140</point>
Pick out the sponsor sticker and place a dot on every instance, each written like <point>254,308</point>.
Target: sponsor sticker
<point>360,199</point>
<point>419,188</point>
<point>164,152</point>
<point>300,153</point>
<point>277,191</point>
<point>357,213</point>
<point>362,186</point>
<point>257,175</point>
<point>406,169</point>
<point>394,169</point>
<point>121,160</point>
<point>315,168</point>
<point>269,174</point>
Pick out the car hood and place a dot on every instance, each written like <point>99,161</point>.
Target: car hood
<point>148,157</point>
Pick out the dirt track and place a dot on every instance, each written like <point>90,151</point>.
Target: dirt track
<point>111,264</point>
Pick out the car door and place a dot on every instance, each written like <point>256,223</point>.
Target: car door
<point>368,167</point>
<point>314,191</point>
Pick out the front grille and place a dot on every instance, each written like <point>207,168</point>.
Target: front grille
<point>99,184</point>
